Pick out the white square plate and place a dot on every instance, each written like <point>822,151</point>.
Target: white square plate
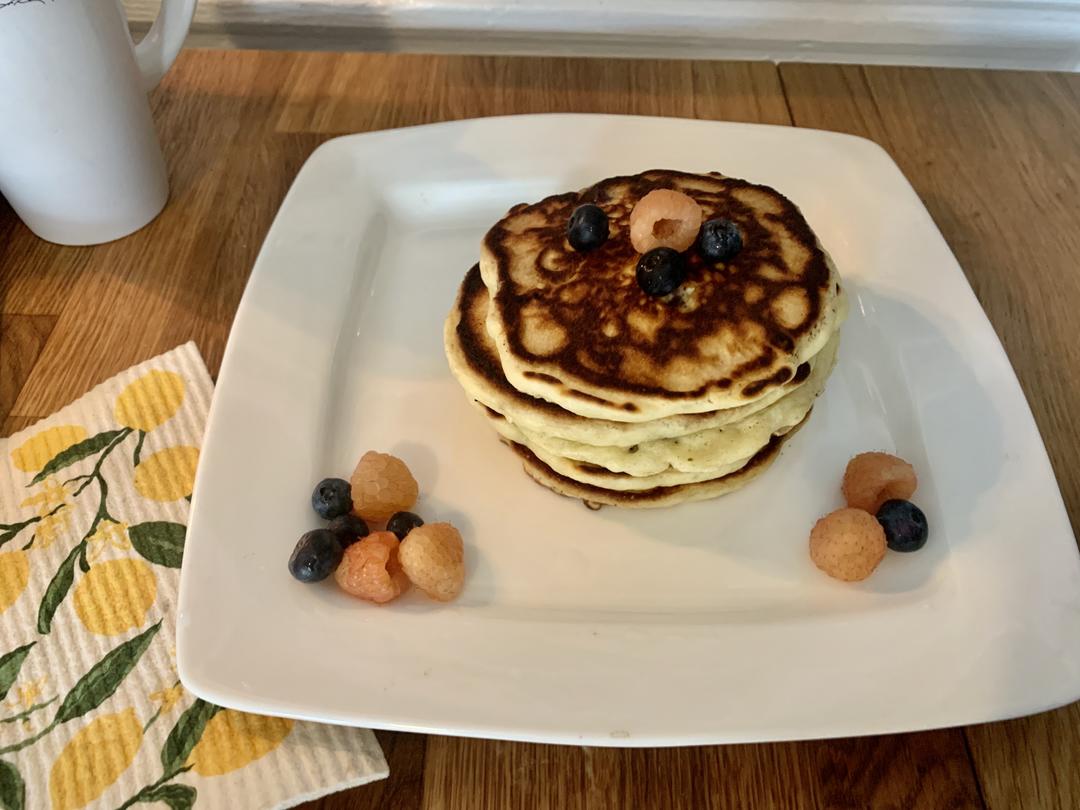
<point>699,624</point>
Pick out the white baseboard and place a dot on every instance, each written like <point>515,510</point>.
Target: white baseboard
<point>956,33</point>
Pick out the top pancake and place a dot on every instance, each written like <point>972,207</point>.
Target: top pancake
<point>474,361</point>
<point>575,329</point>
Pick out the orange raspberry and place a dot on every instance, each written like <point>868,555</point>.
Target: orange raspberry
<point>847,544</point>
<point>873,478</point>
<point>371,569</point>
<point>381,486</point>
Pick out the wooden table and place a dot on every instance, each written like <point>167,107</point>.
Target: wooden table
<point>994,155</point>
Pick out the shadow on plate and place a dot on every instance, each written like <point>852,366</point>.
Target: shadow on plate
<point>888,349</point>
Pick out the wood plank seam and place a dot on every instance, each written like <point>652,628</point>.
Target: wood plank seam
<point>787,101</point>
<point>975,770</point>
<point>877,108</point>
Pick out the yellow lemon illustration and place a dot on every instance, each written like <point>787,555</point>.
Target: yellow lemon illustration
<point>150,401</point>
<point>234,739</point>
<point>115,596</point>
<point>39,449</point>
<point>93,759</point>
<point>14,574</point>
<point>168,475</point>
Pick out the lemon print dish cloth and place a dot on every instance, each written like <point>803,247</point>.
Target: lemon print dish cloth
<point>93,514</point>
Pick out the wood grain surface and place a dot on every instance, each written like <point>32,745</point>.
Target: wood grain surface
<point>994,155</point>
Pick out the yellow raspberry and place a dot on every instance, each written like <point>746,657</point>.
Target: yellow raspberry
<point>664,218</point>
<point>433,558</point>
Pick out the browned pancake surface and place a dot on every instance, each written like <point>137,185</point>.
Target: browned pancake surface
<point>468,321</point>
<point>581,318</point>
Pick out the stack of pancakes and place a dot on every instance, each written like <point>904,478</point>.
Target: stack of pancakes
<point>615,397</point>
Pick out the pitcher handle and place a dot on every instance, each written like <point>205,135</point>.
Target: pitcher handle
<point>159,48</point>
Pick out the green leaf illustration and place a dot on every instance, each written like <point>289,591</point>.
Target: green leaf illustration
<point>12,788</point>
<point>57,590</point>
<point>136,456</point>
<point>10,664</point>
<point>15,718</point>
<point>185,734</point>
<point>104,677</point>
<point>178,797</point>
<point>8,531</point>
<point>77,452</point>
<point>10,534</point>
<point>159,541</point>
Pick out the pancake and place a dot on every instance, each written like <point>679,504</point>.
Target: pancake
<point>617,398</point>
<point>475,362</point>
<point>660,497</point>
<point>576,330</point>
<point>704,450</point>
<point>594,475</point>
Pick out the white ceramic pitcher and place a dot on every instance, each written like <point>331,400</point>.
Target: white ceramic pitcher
<point>79,157</point>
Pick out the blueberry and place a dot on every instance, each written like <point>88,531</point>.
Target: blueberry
<point>332,497</point>
<point>316,556</point>
<point>719,240</point>
<point>904,524</point>
<point>588,227</point>
<point>348,529</point>
<point>660,271</point>
<point>401,523</point>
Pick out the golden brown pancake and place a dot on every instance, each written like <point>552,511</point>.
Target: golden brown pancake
<point>475,362</point>
<point>615,397</point>
<point>661,496</point>
<point>576,329</point>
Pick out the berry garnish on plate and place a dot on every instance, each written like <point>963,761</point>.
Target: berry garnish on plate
<point>348,529</point>
<point>331,498</point>
<point>371,569</point>
<point>873,478</point>
<point>401,523</point>
<point>316,556</point>
<point>847,544</point>
<point>433,558</point>
<point>381,486</point>
<point>905,525</point>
